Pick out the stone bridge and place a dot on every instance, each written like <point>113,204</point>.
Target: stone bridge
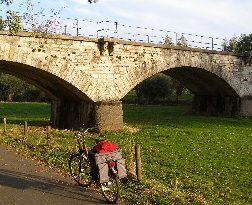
<point>87,77</point>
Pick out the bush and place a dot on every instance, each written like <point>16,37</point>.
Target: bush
<point>157,86</point>
<point>15,89</point>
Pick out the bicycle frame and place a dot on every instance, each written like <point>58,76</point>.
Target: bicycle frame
<point>81,135</point>
<point>81,142</point>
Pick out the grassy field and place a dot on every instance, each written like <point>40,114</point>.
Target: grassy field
<point>186,159</point>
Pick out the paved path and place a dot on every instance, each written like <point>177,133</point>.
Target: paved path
<point>24,181</point>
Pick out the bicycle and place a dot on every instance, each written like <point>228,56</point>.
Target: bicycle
<point>84,171</point>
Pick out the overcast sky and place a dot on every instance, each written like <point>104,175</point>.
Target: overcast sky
<point>217,18</point>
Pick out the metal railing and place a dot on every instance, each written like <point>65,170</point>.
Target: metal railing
<point>35,22</point>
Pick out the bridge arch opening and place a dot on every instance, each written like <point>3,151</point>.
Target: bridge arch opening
<point>69,106</point>
<point>53,86</point>
<point>212,94</point>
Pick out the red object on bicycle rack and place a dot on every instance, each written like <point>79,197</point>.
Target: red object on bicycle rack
<point>105,146</point>
<point>112,164</point>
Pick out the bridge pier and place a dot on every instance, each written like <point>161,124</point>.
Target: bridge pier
<point>246,106</point>
<point>72,114</point>
<point>216,105</point>
<point>109,115</point>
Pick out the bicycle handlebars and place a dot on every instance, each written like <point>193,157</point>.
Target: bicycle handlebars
<point>95,129</point>
<point>90,129</point>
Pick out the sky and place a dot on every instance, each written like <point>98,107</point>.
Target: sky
<point>211,18</point>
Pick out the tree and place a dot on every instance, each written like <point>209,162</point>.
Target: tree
<point>3,90</point>
<point>243,44</point>
<point>168,41</point>
<point>7,2</point>
<point>36,21</point>
<point>10,85</point>
<point>12,22</point>
<point>15,89</point>
<point>157,86</point>
<point>178,87</point>
<point>33,23</point>
<point>182,41</point>
<point>230,45</point>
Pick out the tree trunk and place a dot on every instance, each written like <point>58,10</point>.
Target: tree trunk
<point>10,97</point>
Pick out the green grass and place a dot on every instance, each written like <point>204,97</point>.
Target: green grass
<point>197,159</point>
<point>16,113</point>
<point>186,159</point>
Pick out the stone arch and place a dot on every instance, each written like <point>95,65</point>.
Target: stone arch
<point>155,60</point>
<point>54,86</point>
<point>201,81</point>
<point>213,95</point>
<point>70,107</point>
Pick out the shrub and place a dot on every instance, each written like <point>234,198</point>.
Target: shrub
<point>157,86</point>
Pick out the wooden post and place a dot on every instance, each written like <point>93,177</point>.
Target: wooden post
<point>25,128</point>
<point>48,131</point>
<point>138,162</point>
<point>48,134</point>
<point>4,121</point>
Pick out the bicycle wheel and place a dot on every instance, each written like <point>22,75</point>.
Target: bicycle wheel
<point>110,189</point>
<point>80,170</point>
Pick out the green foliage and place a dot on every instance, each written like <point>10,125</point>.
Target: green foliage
<point>15,89</point>
<point>178,87</point>
<point>14,84</point>
<point>157,86</point>
<point>173,99</point>
<point>13,22</point>
<point>33,22</point>
<point>242,44</point>
<point>230,45</point>
<point>2,24</point>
